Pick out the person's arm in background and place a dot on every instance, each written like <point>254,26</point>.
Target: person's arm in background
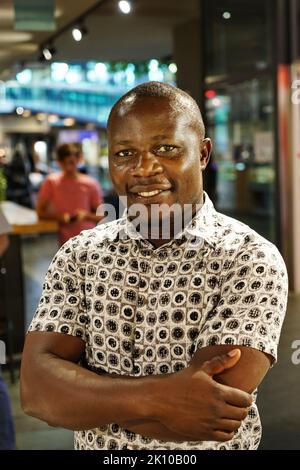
<point>44,206</point>
<point>4,243</point>
<point>96,199</point>
<point>5,229</point>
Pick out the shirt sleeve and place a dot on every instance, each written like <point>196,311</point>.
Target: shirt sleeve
<point>62,307</point>
<point>4,225</point>
<point>45,192</point>
<point>252,303</point>
<point>96,195</point>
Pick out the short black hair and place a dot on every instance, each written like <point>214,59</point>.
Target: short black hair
<point>179,100</point>
<point>65,150</point>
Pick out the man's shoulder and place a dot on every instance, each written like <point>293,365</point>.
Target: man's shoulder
<point>238,238</point>
<point>96,237</point>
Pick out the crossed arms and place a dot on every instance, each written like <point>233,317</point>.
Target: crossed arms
<point>206,401</point>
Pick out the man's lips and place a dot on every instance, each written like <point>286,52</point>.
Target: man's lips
<point>150,190</point>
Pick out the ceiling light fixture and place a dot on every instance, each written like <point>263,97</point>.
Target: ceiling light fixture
<point>76,27</point>
<point>78,32</point>
<point>125,7</point>
<point>226,15</point>
<point>47,52</point>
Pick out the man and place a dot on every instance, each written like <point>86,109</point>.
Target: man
<point>7,432</point>
<point>174,333</point>
<point>69,197</point>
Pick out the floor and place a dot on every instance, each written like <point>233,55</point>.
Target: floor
<point>278,395</point>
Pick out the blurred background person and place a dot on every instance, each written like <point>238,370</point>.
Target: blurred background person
<point>19,189</point>
<point>82,166</point>
<point>7,432</point>
<point>69,196</point>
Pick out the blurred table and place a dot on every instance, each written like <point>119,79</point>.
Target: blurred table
<point>24,221</point>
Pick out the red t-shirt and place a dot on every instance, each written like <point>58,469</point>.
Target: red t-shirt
<point>68,195</point>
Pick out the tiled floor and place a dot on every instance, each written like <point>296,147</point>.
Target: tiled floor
<point>278,395</point>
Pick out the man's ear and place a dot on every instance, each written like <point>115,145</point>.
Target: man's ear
<point>206,148</point>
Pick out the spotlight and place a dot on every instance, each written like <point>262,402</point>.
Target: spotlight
<point>226,15</point>
<point>47,52</point>
<point>78,32</point>
<point>125,7</point>
<point>173,67</point>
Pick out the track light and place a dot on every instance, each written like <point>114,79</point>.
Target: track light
<point>78,32</point>
<point>125,7</point>
<point>47,53</point>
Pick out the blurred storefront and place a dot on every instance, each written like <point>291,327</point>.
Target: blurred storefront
<point>250,68</point>
<point>239,94</point>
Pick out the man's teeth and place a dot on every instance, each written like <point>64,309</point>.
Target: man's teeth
<point>150,193</point>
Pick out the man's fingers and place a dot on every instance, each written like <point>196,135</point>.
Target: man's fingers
<point>218,364</point>
<point>235,413</point>
<point>223,436</point>
<point>228,425</point>
<point>236,397</point>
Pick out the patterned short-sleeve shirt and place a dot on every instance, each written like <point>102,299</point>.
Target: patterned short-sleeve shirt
<point>142,310</point>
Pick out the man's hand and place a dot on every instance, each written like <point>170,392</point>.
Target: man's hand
<point>197,407</point>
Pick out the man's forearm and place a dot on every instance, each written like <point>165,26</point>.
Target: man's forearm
<point>155,430</point>
<point>93,401</point>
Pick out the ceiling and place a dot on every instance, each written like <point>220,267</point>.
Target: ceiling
<point>145,33</point>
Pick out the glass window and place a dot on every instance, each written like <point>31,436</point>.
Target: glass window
<point>239,109</point>
<point>237,37</point>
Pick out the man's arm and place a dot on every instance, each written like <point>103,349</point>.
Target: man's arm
<point>54,388</point>
<point>246,375</point>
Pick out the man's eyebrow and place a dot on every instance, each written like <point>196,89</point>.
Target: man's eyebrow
<point>155,137</point>
<point>160,136</point>
<point>123,142</point>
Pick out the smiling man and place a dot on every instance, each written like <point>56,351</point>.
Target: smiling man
<point>157,342</point>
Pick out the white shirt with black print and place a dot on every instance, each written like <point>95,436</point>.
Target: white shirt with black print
<point>142,310</point>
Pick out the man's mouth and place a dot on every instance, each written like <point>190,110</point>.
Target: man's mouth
<point>150,190</point>
<point>150,193</point>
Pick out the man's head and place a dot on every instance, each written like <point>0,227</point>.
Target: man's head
<point>68,157</point>
<point>157,146</point>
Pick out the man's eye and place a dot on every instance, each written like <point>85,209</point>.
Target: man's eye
<point>165,148</point>
<point>124,153</point>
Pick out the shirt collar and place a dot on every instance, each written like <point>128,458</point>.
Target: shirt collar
<point>203,225</point>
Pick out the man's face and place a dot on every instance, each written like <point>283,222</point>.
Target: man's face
<point>156,156</point>
<point>69,164</point>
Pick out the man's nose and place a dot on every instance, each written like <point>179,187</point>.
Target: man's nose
<point>147,165</point>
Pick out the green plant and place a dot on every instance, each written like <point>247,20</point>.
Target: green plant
<point>3,186</point>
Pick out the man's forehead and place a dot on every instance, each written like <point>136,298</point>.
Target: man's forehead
<point>158,127</point>
<point>155,111</point>
<point>135,105</point>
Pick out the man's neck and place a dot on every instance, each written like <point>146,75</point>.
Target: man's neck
<point>157,242</point>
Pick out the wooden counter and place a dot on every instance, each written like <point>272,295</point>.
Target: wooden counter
<point>26,221</point>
